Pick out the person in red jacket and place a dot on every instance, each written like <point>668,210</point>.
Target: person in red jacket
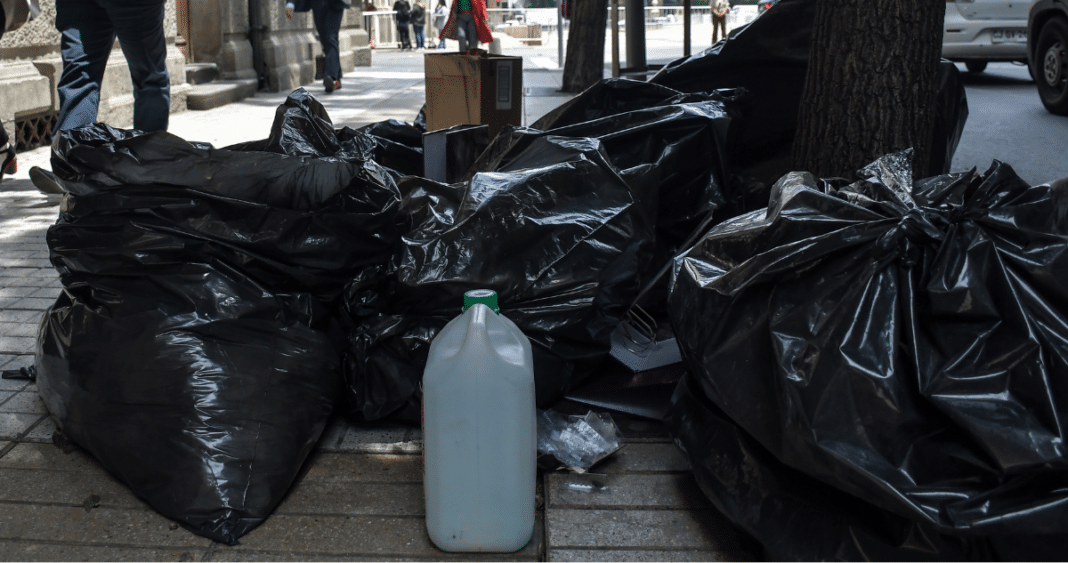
<point>468,24</point>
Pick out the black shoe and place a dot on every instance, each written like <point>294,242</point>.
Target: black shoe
<point>328,83</point>
<point>10,165</point>
<point>46,181</point>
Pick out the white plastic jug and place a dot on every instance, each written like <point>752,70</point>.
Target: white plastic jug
<point>479,432</point>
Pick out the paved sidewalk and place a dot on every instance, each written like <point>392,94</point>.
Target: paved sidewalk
<point>360,496</point>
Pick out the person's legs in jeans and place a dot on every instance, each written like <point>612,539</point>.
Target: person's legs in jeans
<point>420,37</point>
<point>466,33</point>
<point>139,26</point>
<point>328,25</point>
<point>85,43</point>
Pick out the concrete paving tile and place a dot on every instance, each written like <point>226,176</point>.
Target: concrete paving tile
<point>5,395</point>
<point>6,302</point>
<point>23,291</point>
<point>100,526</point>
<point>50,458</point>
<point>12,384</point>
<point>39,551</point>
<point>24,402</point>
<point>644,458</point>
<point>331,439</point>
<point>17,344</point>
<point>9,280</point>
<point>50,293</point>
<point>14,254</point>
<point>389,439</point>
<point>66,488</point>
<point>646,529</point>
<point>17,273</point>
<point>357,538</point>
<point>354,499</point>
<point>34,303</point>
<point>4,444</point>
<point>18,329</point>
<point>603,554</point>
<point>13,425</point>
<point>627,491</point>
<point>42,433</point>
<point>12,316</point>
<point>365,468</point>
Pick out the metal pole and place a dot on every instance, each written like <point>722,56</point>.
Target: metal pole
<point>686,27</point>
<point>636,35</point>
<point>615,38</point>
<point>560,32</point>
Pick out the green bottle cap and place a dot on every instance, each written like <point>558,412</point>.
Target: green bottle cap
<point>487,297</point>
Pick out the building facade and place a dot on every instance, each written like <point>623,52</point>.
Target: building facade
<point>233,35</point>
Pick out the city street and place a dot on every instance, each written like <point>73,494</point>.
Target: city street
<point>1006,121</point>
<point>360,494</point>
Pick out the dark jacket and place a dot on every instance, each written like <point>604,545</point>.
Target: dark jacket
<point>307,5</point>
<point>418,15</point>
<point>403,9</point>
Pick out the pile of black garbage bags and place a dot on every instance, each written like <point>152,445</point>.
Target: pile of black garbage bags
<point>874,369</point>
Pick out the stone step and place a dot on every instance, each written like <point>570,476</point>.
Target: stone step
<point>201,73</point>
<point>220,93</point>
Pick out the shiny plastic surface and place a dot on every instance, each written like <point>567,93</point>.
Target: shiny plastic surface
<point>562,240</point>
<point>479,434</point>
<point>901,346</point>
<point>189,350</point>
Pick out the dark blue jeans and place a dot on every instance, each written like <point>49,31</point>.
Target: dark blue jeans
<point>420,37</point>
<point>88,29</point>
<point>327,17</point>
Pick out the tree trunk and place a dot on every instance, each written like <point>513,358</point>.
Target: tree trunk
<point>870,88</point>
<point>584,62</point>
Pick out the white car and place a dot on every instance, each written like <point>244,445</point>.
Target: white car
<point>976,32</point>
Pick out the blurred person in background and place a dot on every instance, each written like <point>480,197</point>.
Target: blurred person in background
<point>13,13</point>
<point>418,16</point>
<point>468,24</point>
<point>720,8</point>
<point>327,15</point>
<point>441,11</point>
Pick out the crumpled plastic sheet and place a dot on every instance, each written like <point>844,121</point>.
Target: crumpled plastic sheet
<point>579,442</point>
<point>768,58</point>
<point>878,369</point>
<point>564,259</point>
<point>657,137</point>
<point>193,348</point>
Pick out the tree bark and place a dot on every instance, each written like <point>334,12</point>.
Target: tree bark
<point>584,61</point>
<point>871,84</point>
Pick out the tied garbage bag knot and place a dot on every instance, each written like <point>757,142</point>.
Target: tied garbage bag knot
<point>879,403</point>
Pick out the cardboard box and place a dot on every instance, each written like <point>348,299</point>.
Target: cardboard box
<point>482,89</point>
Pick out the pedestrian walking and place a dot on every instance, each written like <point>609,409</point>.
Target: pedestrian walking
<point>418,16</point>
<point>441,11</point>
<point>402,14</point>
<point>13,13</point>
<point>327,16</point>
<point>468,24</point>
<point>719,18</point>
<point>369,6</point>
<point>88,29</point>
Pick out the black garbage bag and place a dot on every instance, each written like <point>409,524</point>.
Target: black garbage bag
<point>302,127</point>
<point>561,238</point>
<point>769,59</point>
<point>399,146</point>
<point>902,344</point>
<point>191,350</point>
<point>676,144</point>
